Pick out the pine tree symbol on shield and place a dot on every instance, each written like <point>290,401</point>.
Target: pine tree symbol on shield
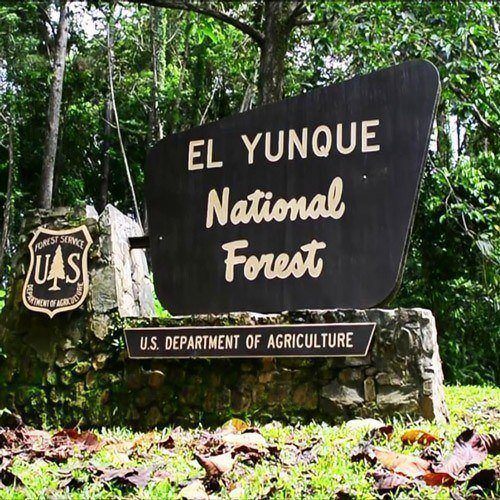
<point>57,270</point>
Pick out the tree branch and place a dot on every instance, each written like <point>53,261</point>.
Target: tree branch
<point>212,95</point>
<point>311,22</point>
<point>47,38</point>
<point>253,33</point>
<point>479,117</point>
<point>299,9</point>
<point>468,102</point>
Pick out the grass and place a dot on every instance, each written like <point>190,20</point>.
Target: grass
<point>331,471</point>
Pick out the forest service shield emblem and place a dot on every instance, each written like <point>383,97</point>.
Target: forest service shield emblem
<point>57,279</point>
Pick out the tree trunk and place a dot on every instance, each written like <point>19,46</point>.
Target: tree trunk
<point>54,109</point>
<point>277,30</point>
<point>108,120</point>
<point>102,200</point>
<point>443,138</point>
<point>184,61</point>
<point>155,126</point>
<point>8,198</point>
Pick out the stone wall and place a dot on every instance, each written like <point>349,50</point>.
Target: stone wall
<point>74,368</point>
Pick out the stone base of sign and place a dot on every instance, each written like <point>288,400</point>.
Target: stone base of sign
<point>74,368</point>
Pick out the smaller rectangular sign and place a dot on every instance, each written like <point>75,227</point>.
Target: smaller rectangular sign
<point>308,340</point>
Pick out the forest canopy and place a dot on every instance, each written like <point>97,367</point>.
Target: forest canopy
<point>87,87</point>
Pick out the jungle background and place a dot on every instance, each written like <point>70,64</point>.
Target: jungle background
<point>87,87</point>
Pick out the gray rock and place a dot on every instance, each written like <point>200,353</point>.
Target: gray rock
<point>102,295</point>
<point>99,326</point>
<point>388,379</point>
<point>342,394</point>
<point>133,287</point>
<point>91,212</point>
<point>369,388</point>
<point>398,400</point>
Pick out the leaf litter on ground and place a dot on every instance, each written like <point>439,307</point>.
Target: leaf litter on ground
<point>225,455</point>
<point>30,443</point>
<point>219,451</point>
<point>401,470</point>
<point>138,477</point>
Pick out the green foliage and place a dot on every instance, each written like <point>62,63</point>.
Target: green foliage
<point>160,312</point>
<point>454,263</point>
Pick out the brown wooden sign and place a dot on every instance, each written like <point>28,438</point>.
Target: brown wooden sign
<point>57,278</point>
<point>306,203</point>
<point>310,340</point>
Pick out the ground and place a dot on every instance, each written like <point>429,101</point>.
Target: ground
<point>313,461</point>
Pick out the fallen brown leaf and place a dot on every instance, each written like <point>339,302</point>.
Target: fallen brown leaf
<point>161,475</point>
<point>385,431</point>
<point>128,477</point>
<point>210,444</point>
<point>168,443</point>
<point>194,491</point>
<point>145,441</point>
<point>235,425</point>
<point>407,465</point>
<point>364,451</point>
<point>24,442</point>
<point>23,439</point>
<point>399,463</point>
<point>486,479</point>
<point>344,494</point>
<point>469,449</point>
<point>7,477</point>
<point>68,480</point>
<point>432,455</point>
<point>85,441</point>
<point>418,436</point>
<point>438,479</point>
<point>388,482</point>
<point>249,439</point>
<point>216,465</point>
<point>248,454</point>
<point>64,444</point>
<point>119,447</point>
<point>295,453</point>
<point>492,443</point>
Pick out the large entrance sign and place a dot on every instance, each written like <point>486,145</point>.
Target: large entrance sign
<point>306,203</point>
